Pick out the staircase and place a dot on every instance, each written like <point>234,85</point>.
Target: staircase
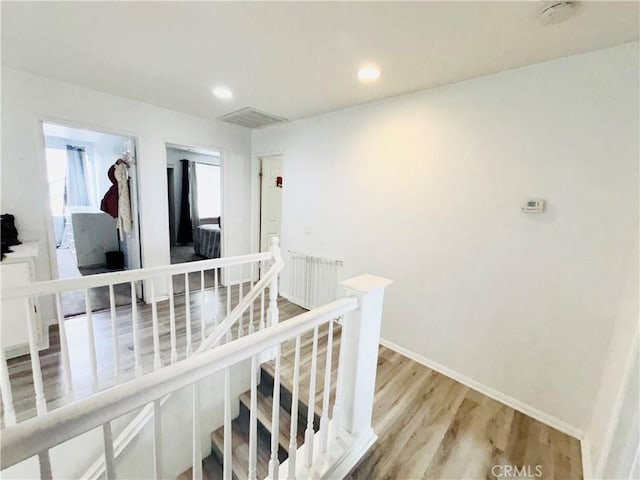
<point>212,464</point>
<point>325,357</point>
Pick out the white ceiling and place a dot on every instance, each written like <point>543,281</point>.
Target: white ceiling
<point>291,59</point>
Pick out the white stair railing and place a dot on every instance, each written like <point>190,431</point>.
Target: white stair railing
<point>203,314</point>
<point>222,332</point>
<point>331,456</point>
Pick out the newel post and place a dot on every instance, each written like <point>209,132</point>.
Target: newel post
<point>273,286</point>
<point>359,353</point>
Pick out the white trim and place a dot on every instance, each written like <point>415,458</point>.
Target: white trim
<point>518,405</point>
<point>585,452</point>
<point>343,454</point>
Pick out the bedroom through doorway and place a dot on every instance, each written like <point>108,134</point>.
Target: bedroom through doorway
<point>194,180</point>
<point>94,224</point>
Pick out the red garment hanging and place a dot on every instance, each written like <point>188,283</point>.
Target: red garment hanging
<point>109,203</point>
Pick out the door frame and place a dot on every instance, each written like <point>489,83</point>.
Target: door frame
<point>171,171</point>
<point>256,197</point>
<point>135,196</point>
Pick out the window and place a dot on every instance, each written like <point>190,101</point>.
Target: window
<point>57,174</point>
<point>208,185</point>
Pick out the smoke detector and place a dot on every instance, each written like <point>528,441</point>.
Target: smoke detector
<point>556,12</point>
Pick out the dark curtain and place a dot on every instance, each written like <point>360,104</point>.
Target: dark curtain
<point>185,233</point>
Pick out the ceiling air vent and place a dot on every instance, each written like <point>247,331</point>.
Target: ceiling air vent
<point>251,118</point>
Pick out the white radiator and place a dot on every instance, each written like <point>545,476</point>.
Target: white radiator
<point>313,281</point>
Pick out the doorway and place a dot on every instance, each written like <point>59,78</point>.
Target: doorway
<point>271,185</point>
<point>194,189</point>
<point>84,203</point>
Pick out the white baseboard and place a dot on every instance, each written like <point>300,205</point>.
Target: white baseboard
<point>489,392</point>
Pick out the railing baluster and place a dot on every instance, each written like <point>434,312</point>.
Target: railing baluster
<point>308,436</point>
<point>251,306</point>
<point>253,421</point>
<point>157,440</point>
<point>64,347</point>
<point>228,291</point>
<point>293,434</point>
<point>45,465</point>
<point>157,362</point>
<point>228,434</point>
<point>216,297</point>
<point>109,456</point>
<point>202,320</point>
<point>273,302</point>
<point>274,463</point>
<point>187,313</point>
<point>324,419</point>
<point>240,294</point>
<point>91,341</point>
<point>6,393</point>
<point>115,348</point>
<point>172,321</point>
<point>337,403</point>
<point>135,330</point>
<point>197,450</point>
<point>262,325</point>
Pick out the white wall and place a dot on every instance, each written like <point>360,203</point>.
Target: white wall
<point>27,99</point>
<point>613,409</point>
<point>625,445</point>
<point>426,189</point>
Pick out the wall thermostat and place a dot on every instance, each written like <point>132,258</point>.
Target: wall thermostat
<point>533,206</point>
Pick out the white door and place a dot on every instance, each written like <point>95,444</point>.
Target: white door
<point>270,200</point>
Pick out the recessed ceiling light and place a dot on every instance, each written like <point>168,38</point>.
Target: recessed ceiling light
<point>222,92</point>
<point>368,73</point>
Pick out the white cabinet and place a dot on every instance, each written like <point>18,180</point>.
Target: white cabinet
<point>18,269</point>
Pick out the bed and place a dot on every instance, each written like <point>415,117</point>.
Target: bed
<point>206,239</point>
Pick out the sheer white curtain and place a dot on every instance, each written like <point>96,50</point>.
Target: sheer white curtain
<point>76,191</point>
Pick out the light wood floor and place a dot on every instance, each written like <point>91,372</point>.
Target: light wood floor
<point>51,361</point>
<point>428,425</point>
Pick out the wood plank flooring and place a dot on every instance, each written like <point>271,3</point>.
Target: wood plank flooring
<point>78,341</point>
<point>428,425</point>
<point>432,427</point>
